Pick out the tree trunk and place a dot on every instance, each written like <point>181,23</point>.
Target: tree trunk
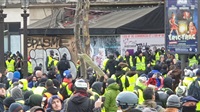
<point>78,38</point>
<point>85,28</point>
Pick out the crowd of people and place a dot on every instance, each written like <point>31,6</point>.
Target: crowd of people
<point>146,81</point>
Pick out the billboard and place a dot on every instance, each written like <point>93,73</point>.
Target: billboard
<point>181,26</point>
<point>130,42</point>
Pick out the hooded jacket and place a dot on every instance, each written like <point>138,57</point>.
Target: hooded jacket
<point>79,102</point>
<point>25,85</point>
<point>17,94</point>
<point>50,101</point>
<point>151,104</point>
<point>110,96</point>
<point>96,90</point>
<point>35,100</point>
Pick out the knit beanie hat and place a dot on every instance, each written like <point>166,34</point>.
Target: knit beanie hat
<point>173,101</point>
<point>49,83</point>
<point>16,93</point>
<point>110,81</point>
<point>8,101</point>
<point>35,100</point>
<point>27,94</point>
<point>15,107</point>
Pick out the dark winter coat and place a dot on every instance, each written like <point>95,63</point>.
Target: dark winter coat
<point>63,65</point>
<point>79,102</point>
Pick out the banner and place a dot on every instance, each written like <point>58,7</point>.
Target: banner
<point>130,42</point>
<point>181,18</point>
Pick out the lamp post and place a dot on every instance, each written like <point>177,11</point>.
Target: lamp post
<point>25,5</point>
<point>2,16</point>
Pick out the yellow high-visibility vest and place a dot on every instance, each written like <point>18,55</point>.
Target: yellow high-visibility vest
<point>104,63</point>
<point>39,90</point>
<point>30,67</point>
<point>55,63</point>
<point>140,64</point>
<point>130,61</point>
<point>50,59</point>
<point>139,93</point>
<point>10,65</point>
<point>132,81</point>
<point>192,61</point>
<point>157,56</point>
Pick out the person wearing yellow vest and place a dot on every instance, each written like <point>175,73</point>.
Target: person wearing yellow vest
<point>67,85</point>
<point>120,78</point>
<point>192,60</point>
<point>124,66</point>
<point>132,77</point>
<point>149,101</point>
<point>97,88</point>
<point>30,67</point>
<point>104,63</point>
<point>157,55</point>
<point>110,65</point>
<point>194,89</point>
<point>49,60</point>
<point>129,59</point>
<point>51,90</point>
<point>188,79</point>
<point>10,65</point>
<point>140,62</point>
<point>23,84</point>
<point>17,94</point>
<point>118,57</point>
<point>139,87</point>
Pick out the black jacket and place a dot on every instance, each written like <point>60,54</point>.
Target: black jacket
<point>1,104</point>
<point>52,90</point>
<point>63,65</point>
<point>111,66</point>
<point>80,103</point>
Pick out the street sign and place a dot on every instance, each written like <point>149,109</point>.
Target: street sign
<point>181,26</point>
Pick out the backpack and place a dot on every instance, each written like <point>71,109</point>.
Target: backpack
<point>63,91</point>
<point>194,90</point>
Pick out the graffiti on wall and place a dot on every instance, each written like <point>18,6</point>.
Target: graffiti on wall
<point>39,49</point>
<point>103,46</point>
<point>109,43</point>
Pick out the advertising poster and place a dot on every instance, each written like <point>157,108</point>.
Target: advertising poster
<point>99,58</point>
<point>181,28</point>
<point>132,41</point>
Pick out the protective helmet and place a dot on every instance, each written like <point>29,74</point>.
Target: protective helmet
<point>126,99</point>
<point>67,74</point>
<point>80,84</point>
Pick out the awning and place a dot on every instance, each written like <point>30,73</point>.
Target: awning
<point>132,21</point>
